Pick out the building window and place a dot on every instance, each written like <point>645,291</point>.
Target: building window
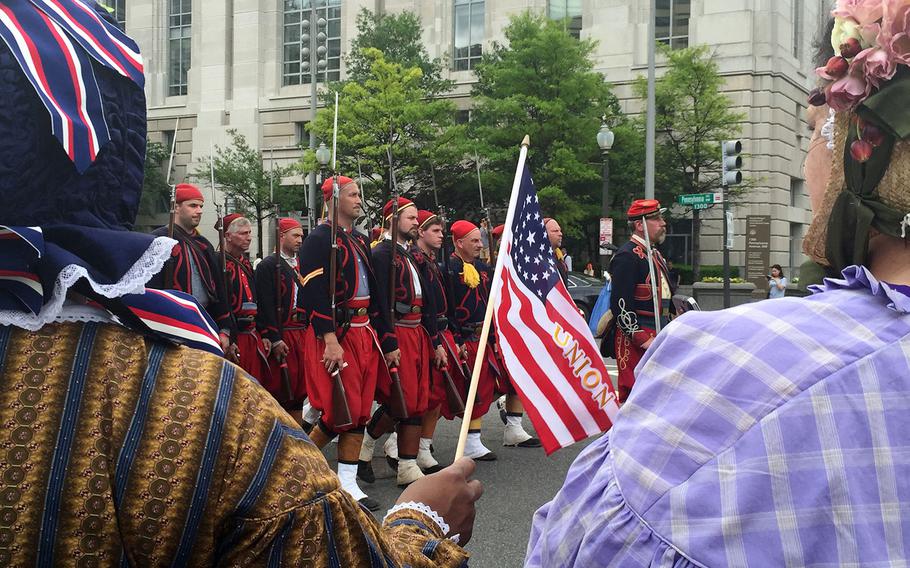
<point>301,135</point>
<point>298,42</point>
<point>798,8</point>
<point>462,116</point>
<point>119,13</point>
<point>569,12</point>
<point>180,19</point>
<point>469,31</point>
<point>672,22</point>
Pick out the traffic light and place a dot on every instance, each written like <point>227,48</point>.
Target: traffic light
<point>731,162</point>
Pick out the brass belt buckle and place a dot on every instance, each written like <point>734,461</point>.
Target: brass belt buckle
<point>415,309</point>
<point>360,312</point>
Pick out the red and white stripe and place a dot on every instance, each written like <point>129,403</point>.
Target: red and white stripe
<point>78,29</point>
<point>33,61</point>
<point>72,61</point>
<point>562,411</point>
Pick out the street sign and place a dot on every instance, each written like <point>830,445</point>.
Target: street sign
<point>606,235</point>
<point>729,240</point>
<point>696,199</point>
<point>703,206</point>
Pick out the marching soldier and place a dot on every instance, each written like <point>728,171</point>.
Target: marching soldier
<point>241,294</point>
<point>429,243</point>
<point>414,346</point>
<point>193,267</point>
<point>554,232</point>
<point>351,345</point>
<point>286,380</point>
<point>632,298</point>
<point>470,287</point>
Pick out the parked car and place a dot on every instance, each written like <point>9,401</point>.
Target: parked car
<point>584,291</point>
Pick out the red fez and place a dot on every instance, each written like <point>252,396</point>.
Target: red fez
<point>286,224</point>
<point>497,231</point>
<point>403,203</point>
<point>425,218</point>
<point>461,229</point>
<point>228,219</point>
<point>327,186</point>
<point>186,192</point>
<point>643,208</point>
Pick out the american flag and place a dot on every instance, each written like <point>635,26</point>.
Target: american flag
<point>546,345</point>
<point>55,42</point>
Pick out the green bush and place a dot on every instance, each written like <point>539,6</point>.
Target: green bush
<point>707,271</point>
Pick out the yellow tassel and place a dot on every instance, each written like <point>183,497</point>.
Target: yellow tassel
<point>470,276</point>
<point>559,254</point>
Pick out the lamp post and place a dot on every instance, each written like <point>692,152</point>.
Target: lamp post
<point>314,60</point>
<point>323,156</point>
<point>605,139</point>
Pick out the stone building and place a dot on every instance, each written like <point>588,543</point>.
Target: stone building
<point>243,64</point>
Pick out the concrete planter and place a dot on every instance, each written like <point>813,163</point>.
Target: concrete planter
<point>710,295</point>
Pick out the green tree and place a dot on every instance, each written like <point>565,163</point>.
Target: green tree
<point>693,117</point>
<point>399,38</point>
<point>156,193</point>
<point>542,83</point>
<point>242,177</point>
<point>389,108</point>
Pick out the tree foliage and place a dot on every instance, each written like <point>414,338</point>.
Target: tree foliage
<point>156,193</point>
<point>399,38</point>
<point>541,82</point>
<point>693,117</point>
<point>390,108</point>
<point>243,177</point>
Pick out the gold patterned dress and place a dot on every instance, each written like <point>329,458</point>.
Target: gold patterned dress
<point>117,450</point>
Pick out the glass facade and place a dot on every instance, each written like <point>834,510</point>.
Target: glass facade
<point>469,33</point>
<point>297,59</point>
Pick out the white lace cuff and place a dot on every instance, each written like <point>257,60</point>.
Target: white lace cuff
<point>133,282</point>
<point>426,510</point>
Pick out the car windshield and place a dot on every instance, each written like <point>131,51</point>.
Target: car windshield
<point>580,279</point>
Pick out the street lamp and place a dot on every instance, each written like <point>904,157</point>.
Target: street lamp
<point>605,139</point>
<point>323,156</point>
<point>315,61</point>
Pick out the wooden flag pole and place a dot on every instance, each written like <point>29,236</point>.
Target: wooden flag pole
<point>491,302</point>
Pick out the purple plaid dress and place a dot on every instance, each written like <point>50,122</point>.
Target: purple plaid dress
<point>772,434</point>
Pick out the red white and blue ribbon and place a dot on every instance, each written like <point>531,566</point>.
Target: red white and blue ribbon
<point>20,286</point>
<point>177,316</point>
<point>55,42</point>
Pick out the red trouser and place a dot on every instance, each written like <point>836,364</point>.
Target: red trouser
<point>627,357</point>
<point>364,364</point>
<point>437,388</point>
<point>486,384</point>
<point>252,355</point>
<point>413,368</point>
<point>295,338</point>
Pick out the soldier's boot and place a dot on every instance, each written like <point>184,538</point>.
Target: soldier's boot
<point>349,445</point>
<point>391,451</point>
<point>408,446</point>
<point>425,458</point>
<point>473,447</point>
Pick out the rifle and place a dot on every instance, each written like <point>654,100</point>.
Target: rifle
<point>397,404</point>
<point>172,220</point>
<point>287,393</point>
<point>341,412</point>
<point>219,226</point>
<point>453,397</point>
<point>486,210</point>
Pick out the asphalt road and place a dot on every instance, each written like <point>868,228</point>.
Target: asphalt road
<point>515,486</point>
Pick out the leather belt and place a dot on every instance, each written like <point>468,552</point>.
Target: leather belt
<point>401,308</point>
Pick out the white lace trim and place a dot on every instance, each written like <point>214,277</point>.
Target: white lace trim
<point>83,313</point>
<point>426,510</point>
<point>828,129</point>
<point>133,282</point>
